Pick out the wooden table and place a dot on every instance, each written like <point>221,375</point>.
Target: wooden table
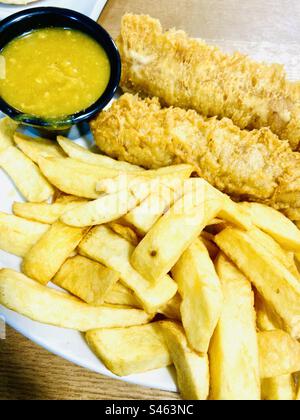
<point>29,372</point>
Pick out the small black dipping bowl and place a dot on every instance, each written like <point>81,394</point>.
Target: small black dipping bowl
<point>45,17</point>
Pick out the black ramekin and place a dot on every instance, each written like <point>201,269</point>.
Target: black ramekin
<point>46,17</point>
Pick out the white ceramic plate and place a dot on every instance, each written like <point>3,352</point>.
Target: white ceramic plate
<point>65,343</point>
<point>91,8</point>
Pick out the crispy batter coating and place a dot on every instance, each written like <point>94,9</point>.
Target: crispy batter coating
<point>190,74</point>
<point>253,165</point>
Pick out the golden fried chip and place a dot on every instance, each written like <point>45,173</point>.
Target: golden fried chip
<point>86,279</point>
<point>46,257</point>
<point>35,148</point>
<point>26,175</point>
<point>126,351</point>
<point>42,304</point>
<point>281,388</point>
<point>202,298</point>
<point>279,354</point>
<point>273,281</point>
<point>17,235</point>
<point>74,177</point>
<point>82,154</point>
<point>44,212</point>
<point>163,245</point>
<point>192,368</point>
<point>7,130</point>
<point>171,310</point>
<point>276,225</point>
<point>122,295</point>
<point>234,358</point>
<point>108,248</point>
<point>125,232</point>
<point>107,208</point>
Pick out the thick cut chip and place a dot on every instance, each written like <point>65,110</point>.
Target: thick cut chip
<point>281,388</point>
<point>285,257</point>
<point>47,256</point>
<point>234,357</point>
<point>125,232</point>
<point>107,208</point>
<point>274,282</point>
<point>108,248</point>
<point>172,309</point>
<point>35,148</point>
<point>44,212</point>
<point>62,198</point>
<point>192,368</point>
<point>144,216</point>
<point>7,130</point>
<point>126,351</point>
<point>86,279</point>
<point>26,175</point>
<point>264,319</point>
<point>168,175</point>
<point>276,225</point>
<point>17,235</point>
<point>122,295</point>
<point>42,304</point>
<point>279,354</point>
<point>163,245</point>
<point>74,177</point>
<point>82,154</point>
<point>202,297</point>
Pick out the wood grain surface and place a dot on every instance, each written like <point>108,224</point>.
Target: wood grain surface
<point>29,372</point>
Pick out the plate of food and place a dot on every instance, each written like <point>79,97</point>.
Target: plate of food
<point>153,237</point>
<point>91,8</point>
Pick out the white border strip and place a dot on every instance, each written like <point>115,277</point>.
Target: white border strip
<point>96,12</point>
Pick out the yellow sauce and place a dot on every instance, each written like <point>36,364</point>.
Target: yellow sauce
<point>53,73</point>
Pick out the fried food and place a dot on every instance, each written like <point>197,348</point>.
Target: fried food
<point>280,388</point>
<point>80,153</point>
<point>47,256</point>
<point>26,175</point>
<point>172,309</point>
<point>253,166</point>
<point>233,354</point>
<point>202,297</point>
<point>122,295</point>
<point>108,208</point>
<point>191,367</point>
<point>125,232</point>
<point>190,74</point>
<point>126,351</point>
<point>7,130</point>
<point>264,319</point>
<point>277,286</point>
<point>42,304</point>
<point>108,248</point>
<point>276,225</point>
<point>44,212</point>
<point>163,245</point>
<point>279,354</point>
<point>86,279</point>
<point>168,175</point>
<point>74,177</point>
<point>17,235</point>
<point>35,148</point>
